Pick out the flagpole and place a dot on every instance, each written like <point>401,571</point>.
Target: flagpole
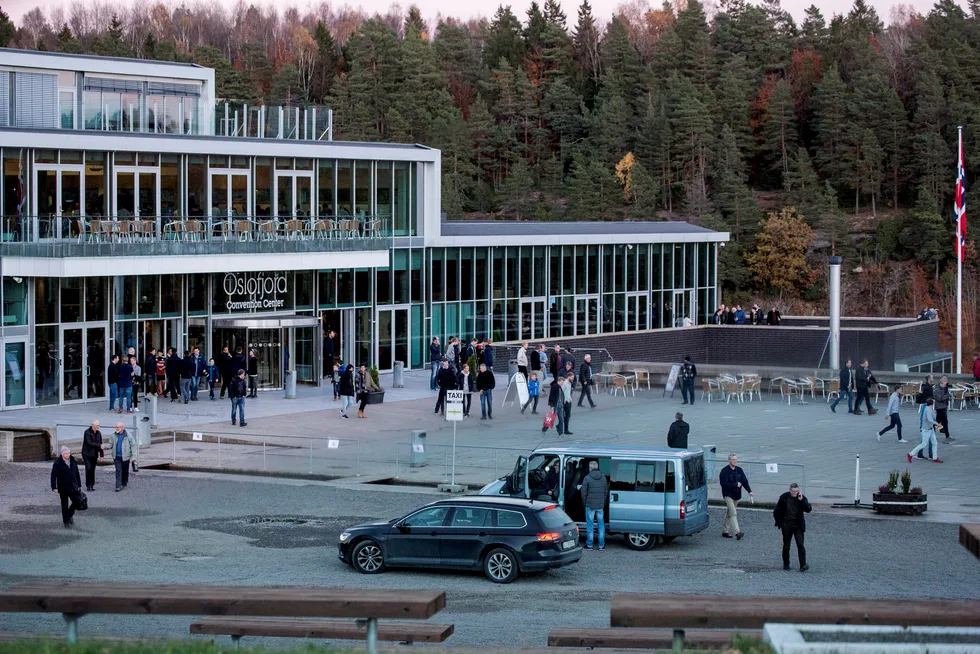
<point>959,273</point>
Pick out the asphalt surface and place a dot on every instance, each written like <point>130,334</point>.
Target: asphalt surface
<point>201,529</point>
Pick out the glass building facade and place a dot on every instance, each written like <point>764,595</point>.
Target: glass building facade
<point>177,240</point>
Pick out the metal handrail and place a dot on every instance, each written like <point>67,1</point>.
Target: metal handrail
<point>127,228</point>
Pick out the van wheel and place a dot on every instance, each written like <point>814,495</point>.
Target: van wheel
<point>500,566</point>
<point>640,542</point>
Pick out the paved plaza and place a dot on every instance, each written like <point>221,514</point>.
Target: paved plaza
<point>178,527</point>
<point>808,443</point>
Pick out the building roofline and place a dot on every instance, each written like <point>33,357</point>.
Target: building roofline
<point>92,57</point>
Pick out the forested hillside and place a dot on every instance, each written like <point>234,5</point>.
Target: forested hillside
<point>671,112</point>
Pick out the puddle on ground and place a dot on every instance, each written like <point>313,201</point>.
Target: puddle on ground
<point>22,536</point>
<point>280,531</point>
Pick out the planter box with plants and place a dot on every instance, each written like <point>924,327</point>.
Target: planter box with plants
<point>375,397</point>
<point>888,501</point>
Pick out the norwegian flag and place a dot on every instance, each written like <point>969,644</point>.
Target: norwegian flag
<point>959,205</point>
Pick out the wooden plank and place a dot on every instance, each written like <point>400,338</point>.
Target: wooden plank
<point>641,638</point>
<point>84,598</point>
<point>708,612</point>
<point>970,539</point>
<point>419,632</point>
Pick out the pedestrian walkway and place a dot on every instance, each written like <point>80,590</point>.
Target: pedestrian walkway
<point>808,443</point>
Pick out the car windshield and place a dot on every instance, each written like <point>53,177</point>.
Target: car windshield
<point>553,518</point>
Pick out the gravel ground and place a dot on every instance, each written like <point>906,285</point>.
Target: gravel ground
<point>195,528</point>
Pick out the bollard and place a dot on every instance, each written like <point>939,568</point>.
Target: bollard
<point>290,385</point>
<point>417,458</point>
<point>153,411</point>
<point>857,481</point>
<point>398,375</point>
<point>143,434</point>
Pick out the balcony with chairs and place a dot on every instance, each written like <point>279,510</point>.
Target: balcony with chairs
<point>127,235</point>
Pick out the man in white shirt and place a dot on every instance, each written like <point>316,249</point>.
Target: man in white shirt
<point>522,360</point>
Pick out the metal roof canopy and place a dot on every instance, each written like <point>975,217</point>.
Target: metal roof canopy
<point>266,322</point>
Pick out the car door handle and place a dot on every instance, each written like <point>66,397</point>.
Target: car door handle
<point>615,497</point>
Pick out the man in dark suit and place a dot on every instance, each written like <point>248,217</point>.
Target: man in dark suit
<point>66,481</point>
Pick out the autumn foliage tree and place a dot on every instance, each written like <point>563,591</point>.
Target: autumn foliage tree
<point>779,258</point>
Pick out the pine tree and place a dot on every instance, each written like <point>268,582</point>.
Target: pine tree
<point>611,133</point>
<point>515,195</point>
<point>697,55</point>
<point>326,61</point>
<point>644,192</point>
<point>731,196</point>
<point>930,233</point>
<point>112,43</point>
<point>779,133</point>
<point>230,84</point>
<point>585,52</point>
<point>832,124</point>
<point>254,65</point>
<point>585,191</point>
<point>7,29</point>
<point>690,125</point>
<point>813,30</point>
<point>554,14</point>
<point>503,38</point>
<point>67,42</point>
<point>458,55</point>
<point>734,90</point>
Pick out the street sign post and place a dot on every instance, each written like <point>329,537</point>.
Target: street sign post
<point>454,414</point>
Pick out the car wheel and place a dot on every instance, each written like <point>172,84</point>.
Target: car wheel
<point>500,566</point>
<point>367,558</point>
<point>640,542</point>
<point>666,540</point>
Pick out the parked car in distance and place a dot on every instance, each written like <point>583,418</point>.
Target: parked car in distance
<point>500,535</point>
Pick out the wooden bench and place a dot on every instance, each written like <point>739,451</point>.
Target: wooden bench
<point>237,627</point>
<point>74,600</point>
<point>970,539</point>
<point>642,638</point>
<point>682,612</point>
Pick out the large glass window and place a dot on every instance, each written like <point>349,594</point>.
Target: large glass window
<point>402,199</point>
<point>345,288</point>
<point>328,288</point>
<point>417,286</point>
<point>149,296</point>
<point>197,294</point>
<point>383,189</point>
<point>452,274</point>
<point>401,278</point>
<point>593,276</point>
<point>170,297</point>
<point>362,188</point>
<point>71,300</point>
<point>540,284</point>
<point>197,198</point>
<point>498,272</point>
<point>95,185</point>
<point>345,194</point>
<point>482,268</point>
<point>568,269</point>
<point>513,261</point>
<point>125,297</point>
<point>325,180</point>
<point>466,274</point>
<point>14,301</point>
<point>263,187</point>
<point>438,282</point>
<point>383,286</point>
<point>45,300</point>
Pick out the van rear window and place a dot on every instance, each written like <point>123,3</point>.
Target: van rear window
<point>694,472</point>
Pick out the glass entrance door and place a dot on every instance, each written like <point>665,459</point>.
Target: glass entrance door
<point>14,381</point>
<point>229,197</point>
<point>58,200</point>
<point>137,193</point>
<point>83,362</point>
<point>267,344</point>
<point>393,337</point>
<point>532,319</point>
<point>586,315</point>
<point>683,308</point>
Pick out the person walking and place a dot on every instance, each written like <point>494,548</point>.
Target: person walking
<point>533,392</point>
<point>446,381</point>
<point>435,356</point>
<point>199,366</point>
<point>173,374</point>
<point>124,450</point>
<point>226,369</point>
<point>774,317</point>
<point>237,392</point>
<point>126,384</point>
<point>363,385</point>
<point>346,389</point>
<point>137,382</point>
<point>927,428</point>
<point>586,381</point>
<point>567,395</point>
<point>863,379</point>
<point>488,353</point>
<point>238,362</point>
<point>186,376</point>
<point>161,374</point>
<point>942,396</point>
<point>485,383</point>
<point>732,480</point>
<point>555,364</point>
<point>688,372</point>
<point>895,420</point>
<point>678,431</point>
<point>534,361</point>
<point>92,452</point>
<point>112,378</point>
<point>66,481</point>
<point>790,516</point>
<point>253,373</point>
<point>150,371</point>
<point>594,489</point>
<point>466,382</point>
<point>522,362</point>
<point>846,388</point>
<point>329,350</point>
<point>543,362</point>
<point>211,373</point>
<point>335,381</point>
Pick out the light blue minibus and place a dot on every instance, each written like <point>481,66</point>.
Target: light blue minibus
<point>654,494</point>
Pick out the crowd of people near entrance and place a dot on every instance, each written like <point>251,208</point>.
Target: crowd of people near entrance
<point>167,373</point>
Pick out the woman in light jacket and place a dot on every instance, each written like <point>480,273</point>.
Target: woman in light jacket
<point>346,389</point>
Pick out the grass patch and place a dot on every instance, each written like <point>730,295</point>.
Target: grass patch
<point>748,645</point>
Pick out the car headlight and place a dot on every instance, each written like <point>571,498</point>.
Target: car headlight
<point>344,537</point>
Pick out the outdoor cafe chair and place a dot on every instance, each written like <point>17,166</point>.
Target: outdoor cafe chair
<point>194,230</point>
<point>833,389</point>
<point>731,389</point>
<point>147,229</point>
<point>620,383</point>
<point>242,229</point>
<point>788,389</point>
<point>752,385</point>
<point>642,377</point>
<point>322,229</point>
